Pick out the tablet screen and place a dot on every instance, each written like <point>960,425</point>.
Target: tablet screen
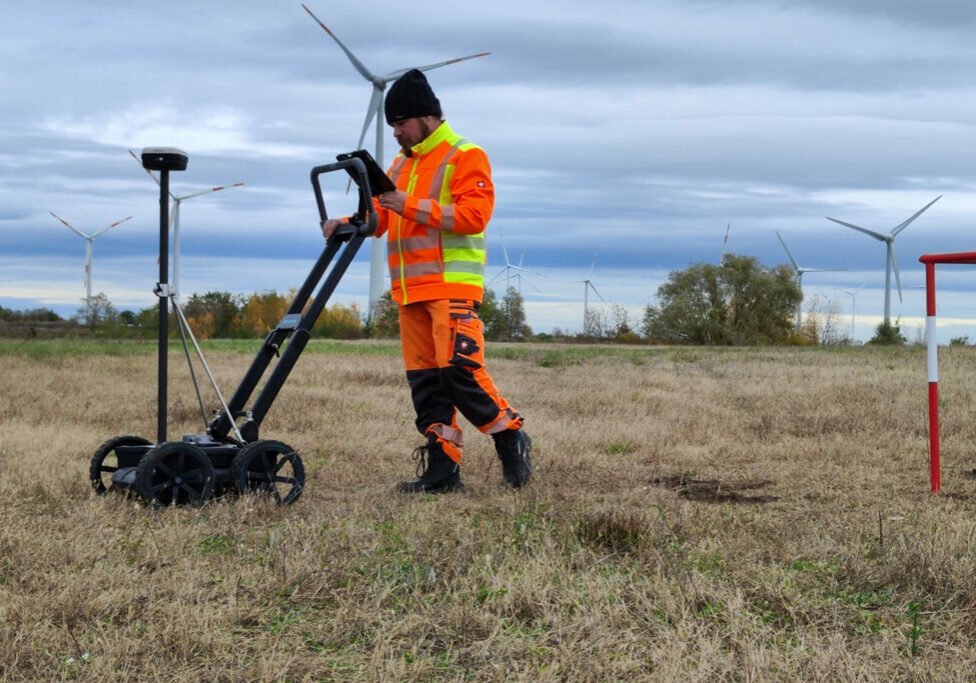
<point>379,182</point>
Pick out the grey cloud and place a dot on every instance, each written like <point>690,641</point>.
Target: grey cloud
<point>603,132</point>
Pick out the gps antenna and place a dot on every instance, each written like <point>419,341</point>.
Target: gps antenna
<point>164,160</point>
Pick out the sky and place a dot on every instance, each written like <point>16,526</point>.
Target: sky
<point>625,139</point>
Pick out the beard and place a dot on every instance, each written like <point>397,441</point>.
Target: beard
<point>406,143</point>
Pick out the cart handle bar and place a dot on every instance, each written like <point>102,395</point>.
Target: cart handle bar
<point>365,220</point>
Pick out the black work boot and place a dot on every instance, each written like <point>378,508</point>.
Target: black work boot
<point>436,472</point>
<point>513,447</point>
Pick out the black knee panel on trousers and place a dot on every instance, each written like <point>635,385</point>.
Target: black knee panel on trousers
<point>431,402</point>
<point>474,402</point>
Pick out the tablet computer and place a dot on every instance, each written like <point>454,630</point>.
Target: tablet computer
<point>379,182</point>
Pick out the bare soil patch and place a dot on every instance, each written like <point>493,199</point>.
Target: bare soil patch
<point>715,491</point>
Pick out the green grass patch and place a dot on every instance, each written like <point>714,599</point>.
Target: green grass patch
<point>547,356</point>
<point>619,448</point>
<point>217,544</point>
<point>42,349</point>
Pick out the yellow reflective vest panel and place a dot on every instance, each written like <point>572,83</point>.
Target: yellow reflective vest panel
<point>436,249</point>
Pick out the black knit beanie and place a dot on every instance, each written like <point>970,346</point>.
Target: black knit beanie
<point>410,96</point>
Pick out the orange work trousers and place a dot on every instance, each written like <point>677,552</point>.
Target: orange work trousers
<point>443,345</point>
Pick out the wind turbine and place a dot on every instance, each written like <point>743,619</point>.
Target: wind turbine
<point>799,275</point>
<point>523,273</point>
<point>89,239</point>
<point>174,221</point>
<point>509,267</point>
<point>891,259</point>
<point>853,296</point>
<point>377,260</point>
<point>587,286</point>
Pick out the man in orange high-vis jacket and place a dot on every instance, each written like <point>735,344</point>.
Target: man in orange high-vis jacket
<point>435,225</point>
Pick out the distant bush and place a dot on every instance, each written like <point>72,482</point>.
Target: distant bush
<point>887,334</point>
<point>628,337</point>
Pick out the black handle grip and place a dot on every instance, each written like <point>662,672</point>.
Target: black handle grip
<point>365,220</point>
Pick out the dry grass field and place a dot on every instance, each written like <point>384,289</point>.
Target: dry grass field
<point>717,514</point>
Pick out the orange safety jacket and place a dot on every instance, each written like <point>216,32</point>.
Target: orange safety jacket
<point>436,249</point>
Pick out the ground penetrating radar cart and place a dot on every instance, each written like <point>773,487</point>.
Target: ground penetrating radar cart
<point>230,457</point>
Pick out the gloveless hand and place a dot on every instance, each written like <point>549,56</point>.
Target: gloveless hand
<point>394,200</point>
<point>330,226</point>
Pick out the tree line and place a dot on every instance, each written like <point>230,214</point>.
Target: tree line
<point>736,302</point>
<point>226,315</point>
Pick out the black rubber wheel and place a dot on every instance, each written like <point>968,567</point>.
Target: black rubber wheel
<point>105,461</point>
<point>175,473</point>
<point>269,468</point>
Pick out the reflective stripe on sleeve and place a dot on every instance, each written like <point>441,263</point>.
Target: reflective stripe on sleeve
<point>423,211</point>
<point>447,218</point>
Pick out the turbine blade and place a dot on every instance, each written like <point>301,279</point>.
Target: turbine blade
<point>894,261</point>
<point>504,250</point>
<point>497,275</point>
<point>69,226</point>
<point>393,75</point>
<point>208,191</point>
<point>876,235</point>
<point>109,227</point>
<point>521,258</point>
<point>148,172</point>
<point>901,226</point>
<point>375,102</point>
<point>592,265</point>
<point>796,266</point>
<point>527,272</point>
<point>595,292</point>
<point>360,67</point>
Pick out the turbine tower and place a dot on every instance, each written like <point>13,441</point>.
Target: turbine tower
<point>89,239</point>
<point>799,276</point>
<point>853,296</point>
<point>891,260</point>
<point>377,261</point>
<point>174,222</point>
<point>587,286</point>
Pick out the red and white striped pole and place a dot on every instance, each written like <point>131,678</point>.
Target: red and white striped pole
<point>930,260</point>
<point>933,373</point>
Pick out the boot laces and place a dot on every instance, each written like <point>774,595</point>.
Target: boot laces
<point>419,456</point>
